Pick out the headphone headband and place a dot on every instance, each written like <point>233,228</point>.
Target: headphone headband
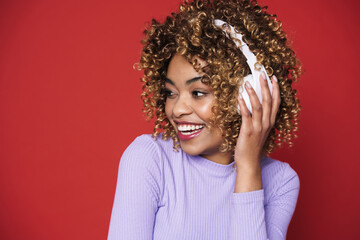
<point>251,60</point>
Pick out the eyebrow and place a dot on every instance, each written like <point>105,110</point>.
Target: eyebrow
<point>188,82</point>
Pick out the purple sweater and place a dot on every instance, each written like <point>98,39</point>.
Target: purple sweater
<point>163,194</point>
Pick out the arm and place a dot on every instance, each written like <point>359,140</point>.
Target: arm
<point>281,205</point>
<point>248,213</point>
<point>250,219</point>
<point>137,192</point>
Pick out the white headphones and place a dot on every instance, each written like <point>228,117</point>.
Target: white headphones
<point>251,61</point>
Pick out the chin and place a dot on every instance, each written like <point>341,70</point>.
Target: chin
<point>190,149</point>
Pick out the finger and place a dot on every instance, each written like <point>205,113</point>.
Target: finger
<point>275,100</point>
<point>256,106</point>
<point>245,113</point>
<point>266,101</point>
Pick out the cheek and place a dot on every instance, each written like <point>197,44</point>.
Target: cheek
<point>204,110</point>
<point>168,109</point>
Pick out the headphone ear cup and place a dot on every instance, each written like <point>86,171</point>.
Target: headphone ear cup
<point>256,86</point>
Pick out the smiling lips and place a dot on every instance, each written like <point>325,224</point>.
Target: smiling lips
<point>187,130</point>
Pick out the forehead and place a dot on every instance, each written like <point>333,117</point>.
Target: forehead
<point>180,69</point>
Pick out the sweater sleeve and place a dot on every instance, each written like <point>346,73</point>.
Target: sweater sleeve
<point>251,219</point>
<point>137,192</point>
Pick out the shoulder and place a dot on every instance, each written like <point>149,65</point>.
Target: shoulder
<point>145,151</point>
<point>142,165</point>
<point>276,168</point>
<point>145,144</point>
<point>141,145</point>
<point>278,178</point>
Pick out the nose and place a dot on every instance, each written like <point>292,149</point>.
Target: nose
<point>182,107</point>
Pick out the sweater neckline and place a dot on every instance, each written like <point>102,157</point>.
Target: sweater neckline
<point>214,168</point>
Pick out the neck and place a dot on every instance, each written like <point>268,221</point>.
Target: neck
<point>224,158</point>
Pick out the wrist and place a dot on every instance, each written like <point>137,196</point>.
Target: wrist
<point>248,179</point>
<point>253,166</point>
<point>249,172</point>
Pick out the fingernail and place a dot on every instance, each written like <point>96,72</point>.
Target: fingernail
<point>263,75</point>
<point>274,78</point>
<point>248,84</point>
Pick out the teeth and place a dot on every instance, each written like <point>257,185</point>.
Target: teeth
<point>188,127</point>
<point>190,132</point>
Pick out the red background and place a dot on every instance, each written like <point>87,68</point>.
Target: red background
<point>69,106</point>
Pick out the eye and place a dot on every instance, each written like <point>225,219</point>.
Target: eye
<point>168,93</point>
<point>198,94</point>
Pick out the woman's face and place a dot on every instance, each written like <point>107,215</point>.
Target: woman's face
<point>188,107</point>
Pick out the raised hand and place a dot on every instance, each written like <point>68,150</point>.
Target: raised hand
<point>254,130</point>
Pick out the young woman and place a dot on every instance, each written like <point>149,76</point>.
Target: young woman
<point>204,172</point>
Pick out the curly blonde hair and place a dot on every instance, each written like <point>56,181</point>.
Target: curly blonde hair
<point>191,32</point>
